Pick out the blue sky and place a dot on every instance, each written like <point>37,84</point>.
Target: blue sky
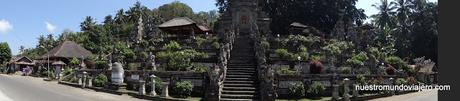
<point>23,21</point>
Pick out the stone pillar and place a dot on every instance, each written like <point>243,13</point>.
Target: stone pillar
<point>335,92</point>
<point>90,81</point>
<point>84,80</point>
<point>141,87</point>
<point>164,93</point>
<point>391,92</point>
<point>355,91</point>
<point>335,89</point>
<point>346,89</point>
<point>80,81</point>
<point>153,92</point>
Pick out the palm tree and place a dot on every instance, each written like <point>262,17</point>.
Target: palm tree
<point>385,16</point>
<point>402,31</point>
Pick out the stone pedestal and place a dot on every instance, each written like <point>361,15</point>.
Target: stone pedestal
<point>391,92</point>
<point>165,92</point>
<point>85,74</point>
<point>80,81</point>
<point>335,92</point>
<point>346,89</point>
<point>153,92</point>
<point>141,87</point>
<point>90,81</point>
<point>355,91</point>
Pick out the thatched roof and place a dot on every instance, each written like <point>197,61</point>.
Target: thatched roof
<point>58,63</point>
<point>176,22</point>
<point>22,60</point>
<point>68,49</point>
<point>182,25</point>
<point>296,24</point>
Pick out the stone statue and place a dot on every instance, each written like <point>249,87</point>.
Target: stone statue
<point>117,73</point>
<point>152,61</point>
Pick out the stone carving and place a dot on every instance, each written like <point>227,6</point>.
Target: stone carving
<point>152,61</point>
<point>117,73</point>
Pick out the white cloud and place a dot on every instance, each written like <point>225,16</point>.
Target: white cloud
<point>5,26</point>
<point>50,27</point>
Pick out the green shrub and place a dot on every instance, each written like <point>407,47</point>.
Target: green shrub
<point>303,56</point>
<point>74,61</point>
<point>73,80</point>
<point>158,85</point>
<point>133,66</point>
<point>179,60</point>
<point>199,41</point>
<point>296,90</point>
<point>286,71</point>
<point>173,45</point>
<point>400,81</point>
<point>376,81</point>
<point>200,68</point>
<point>100,80</point>
<point>67,71</point>
<point>316,89</point>
<point>316,58</point>
<point>183,89</point>
<point>361,79</point>
<point>345,70</point>
<point>283,53</point>
<point>215,45</point>
<point>397,62</point>
<point>45,73</point>
<point>101,64</point>
<point>265,44</point>
<point>358,59</point>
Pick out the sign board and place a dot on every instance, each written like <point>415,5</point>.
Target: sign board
<point>135,77</point>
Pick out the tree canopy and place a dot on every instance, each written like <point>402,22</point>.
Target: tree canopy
<point>5,53</point>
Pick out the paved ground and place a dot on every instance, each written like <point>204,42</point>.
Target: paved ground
<point>22,88</point>
<point>431,95</point>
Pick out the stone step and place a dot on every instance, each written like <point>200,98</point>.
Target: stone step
<point>241,71</point>
<point>240,79</point>
<point>239,88</point>
<point>241,62</point>
<point>238,82</point>
<point>246,76</point>
<point>241,54</point>
<point>242,65</point>
<point>238,92</point>
<point>236,73</point>
<point>240,68</point>
<point>239,85</point>
<point>247,64</point>
<point>239,96</point>
<point>225,99</point>
<point>242,58</point>
<point>236,50</point>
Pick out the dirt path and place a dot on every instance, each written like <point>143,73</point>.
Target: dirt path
<point>23,88</point>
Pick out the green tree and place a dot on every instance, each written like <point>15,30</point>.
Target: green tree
<point>321,14</point>
<point>385,17</point>
<point>5,53</point>
<point>402,32</point>
<point>424,29</point>
<point>175,9</point>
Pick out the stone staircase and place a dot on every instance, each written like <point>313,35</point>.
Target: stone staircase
<point>240,83</point>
